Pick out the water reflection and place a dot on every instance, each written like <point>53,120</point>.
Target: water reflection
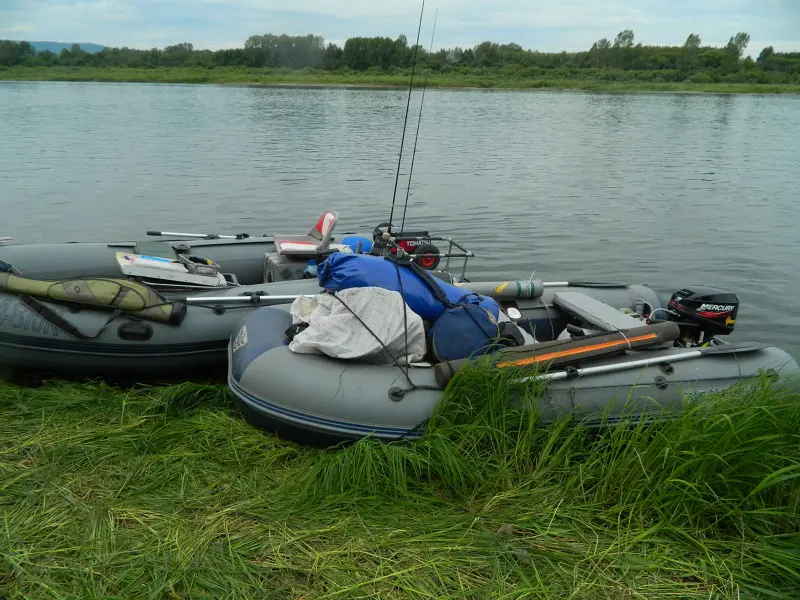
<point>723,106</point>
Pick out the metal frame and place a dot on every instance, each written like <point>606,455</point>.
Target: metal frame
<point>455,249</point>
<point>465,254</point>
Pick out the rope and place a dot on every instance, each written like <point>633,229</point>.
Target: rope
<point>428,279</point>
<point>398,393</point>
<point>395,360</point>
<point>625,337</point>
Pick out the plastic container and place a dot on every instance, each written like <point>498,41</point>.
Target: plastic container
<point>310,271</point>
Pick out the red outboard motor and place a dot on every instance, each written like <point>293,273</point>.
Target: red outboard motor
<point>703,312</point>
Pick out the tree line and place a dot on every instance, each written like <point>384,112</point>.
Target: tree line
<point>621,58</point>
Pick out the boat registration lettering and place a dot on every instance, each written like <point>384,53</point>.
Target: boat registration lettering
<point>15,314</point>
<point>698,394</point>
<point>241,338</point>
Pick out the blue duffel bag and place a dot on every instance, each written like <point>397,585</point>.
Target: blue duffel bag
<point>425,295</point>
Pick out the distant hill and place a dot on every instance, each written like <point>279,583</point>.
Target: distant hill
<point>57,47</point>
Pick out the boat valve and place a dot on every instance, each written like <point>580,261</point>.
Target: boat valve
<point>396,394</point>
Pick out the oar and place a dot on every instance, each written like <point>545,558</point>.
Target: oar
<point>559,352</point>
<point>495,289</point>
<point>646,362</point>
<point>263,299</point>
<point>525,288</point>
<point>205,236</point>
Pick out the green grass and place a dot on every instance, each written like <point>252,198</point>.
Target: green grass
<point>488,79</point>
<point>166,492</point>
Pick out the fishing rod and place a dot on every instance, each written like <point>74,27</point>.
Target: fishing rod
<point>408,104</point>
<point>419,119</point>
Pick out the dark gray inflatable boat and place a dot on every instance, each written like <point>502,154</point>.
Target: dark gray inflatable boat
<point>245,259</point>
<point>207,281</point>
<point>317,399</point>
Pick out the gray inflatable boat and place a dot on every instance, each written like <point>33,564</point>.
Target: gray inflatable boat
<point>206,282</point>
<point>587,333</point>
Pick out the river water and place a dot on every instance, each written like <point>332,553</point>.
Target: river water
<point>664,189</point>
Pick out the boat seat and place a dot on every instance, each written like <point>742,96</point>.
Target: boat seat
<point>598,314</point>
<point>317,241</point>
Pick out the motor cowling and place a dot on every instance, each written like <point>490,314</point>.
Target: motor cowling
<point>387,241</point>
<point>706,310</point>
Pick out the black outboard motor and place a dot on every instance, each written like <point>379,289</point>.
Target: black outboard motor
<point>703,312</point>
<point>412,242</point>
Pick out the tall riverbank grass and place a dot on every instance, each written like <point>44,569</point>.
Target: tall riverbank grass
<point>165,492</point>
<point>310,78</point>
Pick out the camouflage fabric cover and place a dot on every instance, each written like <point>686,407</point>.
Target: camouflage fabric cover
<point>134,298</point>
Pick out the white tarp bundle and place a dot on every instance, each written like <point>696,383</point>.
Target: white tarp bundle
<point>335,331</point>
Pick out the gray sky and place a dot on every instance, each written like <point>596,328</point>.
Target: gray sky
<point>547,25</point>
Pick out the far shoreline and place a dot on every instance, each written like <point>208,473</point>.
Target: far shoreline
<point>373,81</point>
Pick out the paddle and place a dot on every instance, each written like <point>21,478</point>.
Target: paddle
<point>558,352</point>
<point>205,236</point>
<point>527,288</point>
<point>646,362</point>
<point>252,298</point>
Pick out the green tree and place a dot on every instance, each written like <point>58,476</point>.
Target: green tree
<point>45,59</point>
<point>487,54</point>
<point>624,39</point>
<point>620,60</point>
<point>764,57</point>
<point>333,57</point>
<point>600,52</point>
<point>255,51</point>
<point>735,49</point>
<point>8,53</point>
<point>177,55</point>
<point>469,57</point>
<point>623,44</point>
<point>690,53</point>
<point>75,56</point>
<point>362,53</point>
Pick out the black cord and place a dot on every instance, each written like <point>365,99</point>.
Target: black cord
<point>405,315</point>
<point>413,386</point>
<point>419,120</point>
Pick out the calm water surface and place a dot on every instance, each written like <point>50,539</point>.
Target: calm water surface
<point>665,189</point>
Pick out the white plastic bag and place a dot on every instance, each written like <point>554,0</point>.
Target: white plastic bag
<point>335,331</point>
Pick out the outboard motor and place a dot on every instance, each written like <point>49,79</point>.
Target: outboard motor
<point>386,241</point>
<point>703,312</point>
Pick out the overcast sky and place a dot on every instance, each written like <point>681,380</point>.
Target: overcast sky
<point>547,25</point>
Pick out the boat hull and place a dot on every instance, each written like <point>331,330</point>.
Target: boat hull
<point>244,258</point>
<point>123,347</point>
<point>126,347</point>
<point>318,400</point>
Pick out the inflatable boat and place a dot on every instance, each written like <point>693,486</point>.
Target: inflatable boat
<point>609,348</point>
<point>245,259</point>
<point>165,308</point>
